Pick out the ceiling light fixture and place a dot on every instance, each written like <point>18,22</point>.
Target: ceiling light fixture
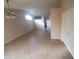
<point>28,17</point>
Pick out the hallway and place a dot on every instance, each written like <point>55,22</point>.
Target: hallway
<point>36,45</point>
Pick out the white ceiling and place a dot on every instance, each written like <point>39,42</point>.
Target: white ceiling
<point>34,6</point>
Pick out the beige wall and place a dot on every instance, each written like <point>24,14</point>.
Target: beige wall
<point>67,35</point>
<point>16,27</point>
<point>66,4</point>
<point>55,17</point>
<point>62,24</point>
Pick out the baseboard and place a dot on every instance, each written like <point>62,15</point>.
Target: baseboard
<point>19,37</point>
<point>67,48</point>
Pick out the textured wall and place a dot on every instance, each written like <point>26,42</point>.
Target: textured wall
<point>16,27</point>
<point>68,24</point>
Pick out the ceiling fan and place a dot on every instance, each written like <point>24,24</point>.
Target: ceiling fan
<point>9,12</point>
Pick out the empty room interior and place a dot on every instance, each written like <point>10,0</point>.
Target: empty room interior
<point>39,29</point>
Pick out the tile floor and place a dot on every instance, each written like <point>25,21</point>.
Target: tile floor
<point>36,45</point>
